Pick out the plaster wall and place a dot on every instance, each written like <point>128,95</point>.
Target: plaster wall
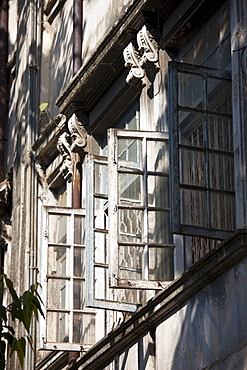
<point>98,20</point>
<point>209,331</point>
<point>56,62</point>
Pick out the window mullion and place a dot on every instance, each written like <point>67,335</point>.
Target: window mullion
<point>145,203</point>
<point>71,284</point>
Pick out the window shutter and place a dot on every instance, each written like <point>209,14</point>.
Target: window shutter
<point>99,294</point>
<point>202,162</point>
<point>141,245</point>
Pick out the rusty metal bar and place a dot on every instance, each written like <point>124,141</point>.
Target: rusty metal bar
<point>3,79</point>
<point>77,36</point>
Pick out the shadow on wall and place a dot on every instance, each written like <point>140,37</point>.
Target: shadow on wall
<point>212,329</point>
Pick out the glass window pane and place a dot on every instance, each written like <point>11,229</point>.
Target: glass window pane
<point>130,225</point>
<point>191,129</point>
<point>101,213</point>
<point>225,29</point>
<point>193,207</point>
<point>130,262</point>
<point>220,133</point>
<point>159,227</point>
<point>161,264</point>
<point>130,153</point>
<point>84,328</point>
<point>158,191</point>
<point>200,52</point>
<point>190,90</point>
<point>221,171</point>
<point>130,189</point>
<point>79,262</point>
<point>58,261</point>
<point>58,327</point>
<point>58,293</point>
<point>157,156</point>
<point>58,227</point>
<point>214,36</point>
<point>222,207</point>
<point>219,95</point>
<point>226,54</point>
<point>79,232</point>
<point>100,244</point>
<point>192,170</point>
<point>79,294</point>
<point>100,274</point>
<point>100,178</point>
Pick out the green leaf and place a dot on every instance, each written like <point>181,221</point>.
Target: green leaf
<point>3,313</point>
<point>12,290</point>
<point>43,106</point>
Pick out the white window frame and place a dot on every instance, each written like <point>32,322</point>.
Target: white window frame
<point>115,280</point>
<point>43,341</point>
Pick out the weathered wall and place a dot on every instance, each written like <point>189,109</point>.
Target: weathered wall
<point>209,329</point>
<point>98,20</point>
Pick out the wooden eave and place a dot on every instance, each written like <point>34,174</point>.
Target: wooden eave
<point>93,80</point>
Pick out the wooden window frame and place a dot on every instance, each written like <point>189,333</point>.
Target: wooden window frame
<point>174,69</point>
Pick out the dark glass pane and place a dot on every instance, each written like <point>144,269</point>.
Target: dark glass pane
<point>191,128</point>
<point>79,232</point>
<point>193,165</point>
<point>161,264</point>
<point>220,133</point>
<point>78,294</point>
<point>79,262</point>
<point>222,207</point>
<point>193,207</point>
<point>219,95</point>
<point>221,171</point>
<point>190,90</point>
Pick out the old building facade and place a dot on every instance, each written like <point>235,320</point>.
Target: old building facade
<point>123,180</point>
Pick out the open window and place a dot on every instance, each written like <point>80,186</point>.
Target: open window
<point>69,325</point>
<point>202,161</point>
<point>130,247</point>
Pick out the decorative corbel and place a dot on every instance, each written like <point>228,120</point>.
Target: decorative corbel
<point>78,134</point>
<point>63,145</point>
<point>149,48</point>
<point>132,61</point>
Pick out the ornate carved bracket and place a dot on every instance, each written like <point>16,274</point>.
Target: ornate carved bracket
<point>132,61</point>
<point>146,58</point>
<point>63,145</point>
<point>149,48</point>
<point>78,134</point>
